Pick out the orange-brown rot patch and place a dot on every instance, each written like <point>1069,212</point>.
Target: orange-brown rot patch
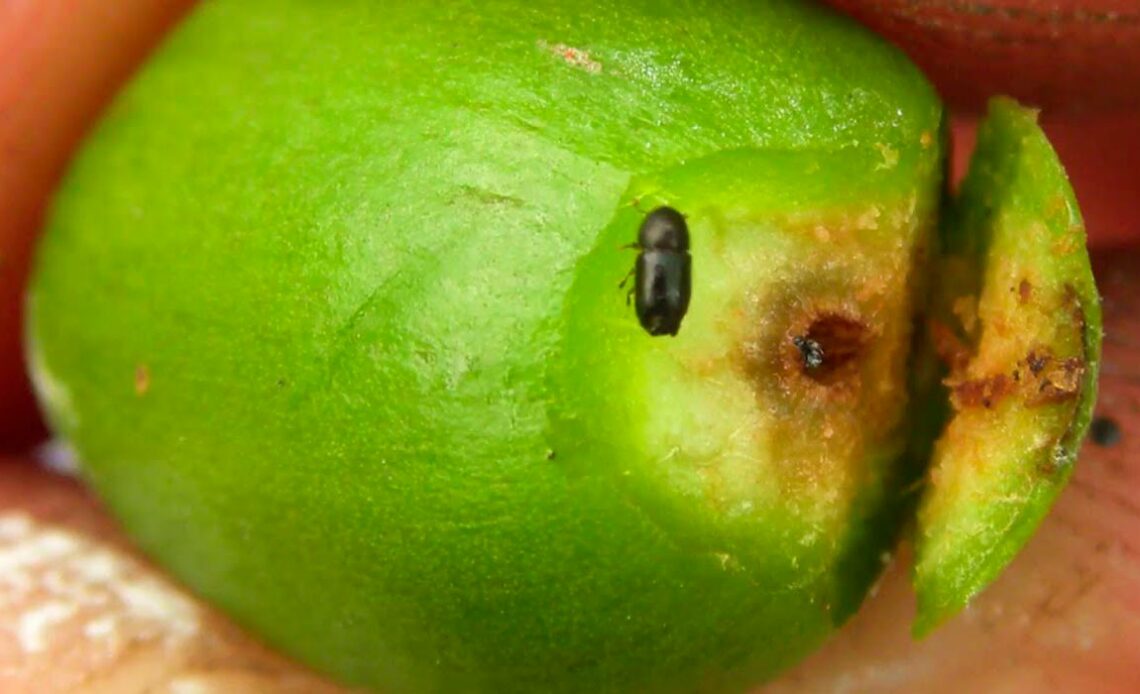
<point>1055,380</point>
<point>926,139</point>
<point>981,392</point>
<point>1038,379</point>
<point>817,418</point>
<point>851,307</point>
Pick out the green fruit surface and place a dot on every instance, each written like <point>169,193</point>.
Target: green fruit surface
<point>1022,319</point>
<point>329,307</point>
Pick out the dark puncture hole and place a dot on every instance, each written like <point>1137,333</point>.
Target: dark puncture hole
<point>1105,431</point>
<point>831,345</point>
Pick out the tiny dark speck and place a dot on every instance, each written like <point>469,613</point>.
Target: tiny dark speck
<point>810,351</point>
<point>550,454</point>
<point>1105,431</point>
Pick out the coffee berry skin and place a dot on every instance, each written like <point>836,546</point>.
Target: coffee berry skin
<point>329,308</point>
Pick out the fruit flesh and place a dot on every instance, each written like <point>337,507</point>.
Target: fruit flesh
<point>380,416</point>
<point>736,437</point>
<point>1017,319</point>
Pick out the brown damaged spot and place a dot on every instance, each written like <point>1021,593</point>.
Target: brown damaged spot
<point>819,356</point>
<point>817,421</point>
<point>982,392</point>
<point>1040,379</point>
<point>1058,380</point>
<point>830,348</point>
<point>825,355</point>
<point>1024,291</point>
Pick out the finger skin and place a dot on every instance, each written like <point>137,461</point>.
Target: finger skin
<point>60,61</point>
<point>1063,55</point>
<point>1065,616</point>
<point>80,610</point>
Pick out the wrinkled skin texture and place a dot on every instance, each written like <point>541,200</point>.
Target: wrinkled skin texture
<point>82,611</point>
<point>875,646</point>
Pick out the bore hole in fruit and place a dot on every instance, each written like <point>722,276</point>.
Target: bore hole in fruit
<point>831,345</point>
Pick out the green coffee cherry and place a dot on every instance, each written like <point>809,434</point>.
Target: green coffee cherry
<point>329,305</point>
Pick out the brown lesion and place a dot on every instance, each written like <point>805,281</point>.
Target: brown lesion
<point>981,392</point>
<point>820,411</point>
<point>1040,377</point>
<point>1024,291</point>
<point>1053,380</point>
<point>819,355</point>
<point>830,347</point>
<point>825,353</point>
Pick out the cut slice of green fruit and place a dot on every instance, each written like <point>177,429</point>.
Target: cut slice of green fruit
<point>1016,320</point>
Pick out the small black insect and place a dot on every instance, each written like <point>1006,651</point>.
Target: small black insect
<point>663,273</point>
<point>810,351</point>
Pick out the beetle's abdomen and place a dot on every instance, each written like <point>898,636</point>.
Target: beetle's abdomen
<point>663,287</point>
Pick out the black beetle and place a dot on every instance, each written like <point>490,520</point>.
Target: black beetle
<point>810,351</point>
<point>663,273</point>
